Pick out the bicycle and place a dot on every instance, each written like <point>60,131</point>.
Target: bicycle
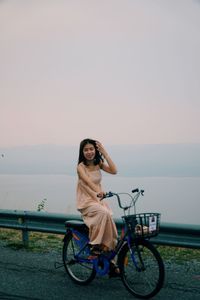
<point>140,264</point>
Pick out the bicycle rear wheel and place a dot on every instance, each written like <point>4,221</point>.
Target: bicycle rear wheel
<point>142,269</point>
<point>79,271</point>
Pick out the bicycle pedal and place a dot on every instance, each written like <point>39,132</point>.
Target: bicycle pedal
<point>58,265</point>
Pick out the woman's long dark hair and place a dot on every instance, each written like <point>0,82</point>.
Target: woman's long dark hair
<point>98,158</point>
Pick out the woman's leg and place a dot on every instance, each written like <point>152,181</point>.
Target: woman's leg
<point>102,229</point>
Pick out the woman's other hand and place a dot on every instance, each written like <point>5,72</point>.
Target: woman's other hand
<point>101,195</point>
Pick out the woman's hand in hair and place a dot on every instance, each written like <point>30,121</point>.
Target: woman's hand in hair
<point>101,149</point>
<point>109,166</point>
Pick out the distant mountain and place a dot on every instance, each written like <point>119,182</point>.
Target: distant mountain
<point>39,159</point>
<point>131,160</point>
<point>158,160</point>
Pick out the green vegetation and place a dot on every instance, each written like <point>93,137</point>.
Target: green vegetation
<point>179,254</point>
<point>41,205</point>
<point>45,242</point>
<point>38,242</point>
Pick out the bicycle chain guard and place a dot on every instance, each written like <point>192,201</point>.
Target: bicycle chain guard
<point>101,265</point>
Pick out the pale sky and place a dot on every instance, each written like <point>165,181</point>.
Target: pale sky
<point>121,71</point>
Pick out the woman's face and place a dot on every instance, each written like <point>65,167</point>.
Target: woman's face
<point>89,152</point>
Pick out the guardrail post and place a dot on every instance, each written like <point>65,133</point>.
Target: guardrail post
<point>25,233</point>
<point>25,236</point>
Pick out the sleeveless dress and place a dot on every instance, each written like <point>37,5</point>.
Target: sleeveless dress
<point>96,214</point>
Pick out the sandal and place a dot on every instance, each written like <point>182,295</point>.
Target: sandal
<point>114,270</point>
<point>95,250</point>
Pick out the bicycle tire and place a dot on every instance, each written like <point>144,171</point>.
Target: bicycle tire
<point>81,273</point>
<point>145,280</point>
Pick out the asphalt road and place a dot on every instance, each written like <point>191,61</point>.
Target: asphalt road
<point>32,276</point>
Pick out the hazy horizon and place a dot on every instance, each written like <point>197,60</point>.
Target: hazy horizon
<point>179,160</point>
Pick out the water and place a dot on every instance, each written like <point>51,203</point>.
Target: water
<point>177,199</point>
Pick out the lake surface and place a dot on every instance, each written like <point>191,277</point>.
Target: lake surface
<point>177,199</point>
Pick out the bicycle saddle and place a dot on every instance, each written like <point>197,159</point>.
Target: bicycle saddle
<point>76,224</point>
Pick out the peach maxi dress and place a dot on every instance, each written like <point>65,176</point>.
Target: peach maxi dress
<point>96,214</point>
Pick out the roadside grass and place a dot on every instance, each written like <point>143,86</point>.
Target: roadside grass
<point>179,254</point>
<point>38,242</point>
<point>46,242</point>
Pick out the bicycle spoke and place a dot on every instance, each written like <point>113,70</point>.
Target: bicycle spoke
<point>142,270</point>
<point>80,271</point>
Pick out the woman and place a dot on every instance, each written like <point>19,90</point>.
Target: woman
<point>95,212</point>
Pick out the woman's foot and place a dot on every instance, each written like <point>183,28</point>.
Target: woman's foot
<point>95,249</point>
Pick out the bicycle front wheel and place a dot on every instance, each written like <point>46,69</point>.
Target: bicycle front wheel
<point>142,269</point>
<point>80,271</point>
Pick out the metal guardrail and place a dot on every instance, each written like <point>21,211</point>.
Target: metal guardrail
<point>171,234</point>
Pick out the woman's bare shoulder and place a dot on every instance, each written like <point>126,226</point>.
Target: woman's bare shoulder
<point>80,167</point>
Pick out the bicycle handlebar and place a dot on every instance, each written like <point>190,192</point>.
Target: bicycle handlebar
<point>133,198</point>
<point>135,190</point>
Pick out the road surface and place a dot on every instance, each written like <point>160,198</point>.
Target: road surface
<point>32,276</point>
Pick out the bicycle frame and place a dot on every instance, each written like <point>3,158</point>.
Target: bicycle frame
<point>83,243</point>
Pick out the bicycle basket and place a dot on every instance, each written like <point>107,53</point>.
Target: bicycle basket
<point>143,225</point>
